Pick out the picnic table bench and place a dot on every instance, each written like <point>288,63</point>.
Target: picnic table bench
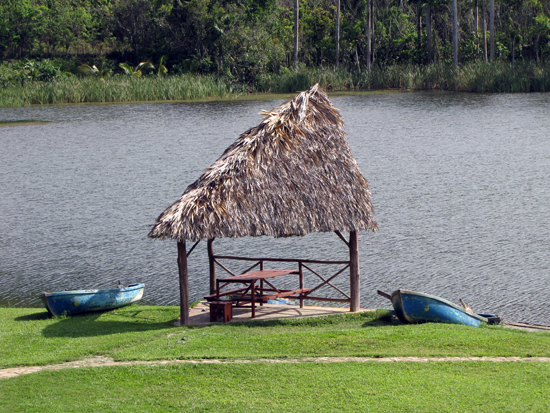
<point>249,295</point>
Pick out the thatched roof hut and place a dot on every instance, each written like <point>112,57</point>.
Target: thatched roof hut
<point>293,174</point>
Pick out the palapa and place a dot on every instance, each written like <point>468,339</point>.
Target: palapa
<point>291,175</point>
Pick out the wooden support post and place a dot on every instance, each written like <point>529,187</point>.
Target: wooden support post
<point>301,275</point>
<point>261,283</point>
<point>354,279</point>
<point>261,293</point>
<point>212,266</point>
<point>184,284</point>
<point>253,295</point>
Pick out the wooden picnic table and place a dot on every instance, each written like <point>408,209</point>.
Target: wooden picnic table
<point>252,293</point>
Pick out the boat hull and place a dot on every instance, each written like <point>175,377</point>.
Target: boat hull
<point>85,301</point>
<point>412,307</point>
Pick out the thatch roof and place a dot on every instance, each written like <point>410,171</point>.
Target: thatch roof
<point>293,174</point>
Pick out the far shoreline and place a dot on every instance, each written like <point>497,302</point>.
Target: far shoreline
<point>494,78</point>
<point>238,97</point>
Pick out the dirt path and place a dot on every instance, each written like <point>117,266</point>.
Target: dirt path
<point>106,361</point>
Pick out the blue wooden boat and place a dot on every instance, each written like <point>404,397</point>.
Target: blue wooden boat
<point>413,307</point>
<point>84,301</point>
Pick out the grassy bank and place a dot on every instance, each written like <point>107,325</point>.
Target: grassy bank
<point>497,77</point>
<point>30,337</point>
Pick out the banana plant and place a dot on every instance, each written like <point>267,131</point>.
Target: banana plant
<point>138,70</point>
<point>88,70</point>
<point>161,68</point>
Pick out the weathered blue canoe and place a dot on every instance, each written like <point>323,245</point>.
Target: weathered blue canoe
<point>84,301</point>
<point>412,307</point>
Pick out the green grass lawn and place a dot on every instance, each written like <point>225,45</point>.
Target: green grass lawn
<point>302,387</point>
<point>30,337</point>
<point>359,336</point>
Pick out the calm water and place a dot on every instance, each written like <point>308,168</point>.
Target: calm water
<point>460,186</point>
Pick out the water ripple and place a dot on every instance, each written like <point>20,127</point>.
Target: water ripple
<point>459,183</point>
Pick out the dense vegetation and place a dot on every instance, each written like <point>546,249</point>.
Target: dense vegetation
<point>249,44</point>
<point>494,77</point>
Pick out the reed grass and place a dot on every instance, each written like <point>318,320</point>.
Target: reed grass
<point>496,77</point>
<point>115,89</point>
<point>291,81</point>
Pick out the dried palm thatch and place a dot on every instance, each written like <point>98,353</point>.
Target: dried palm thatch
<point>293,174</point>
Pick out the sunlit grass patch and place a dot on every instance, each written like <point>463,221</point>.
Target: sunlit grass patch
<point>299,387</point>
<point>30,337</point>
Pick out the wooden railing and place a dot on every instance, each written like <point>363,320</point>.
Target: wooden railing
<point>303,264</point>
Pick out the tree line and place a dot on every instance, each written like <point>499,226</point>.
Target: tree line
<point>246,39</point>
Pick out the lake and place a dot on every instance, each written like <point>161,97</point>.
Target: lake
<point>460,186</point>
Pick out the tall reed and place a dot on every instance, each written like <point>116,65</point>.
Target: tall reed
<point>115,89</point>
<point>290,81</point>
<point>497,77</point>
